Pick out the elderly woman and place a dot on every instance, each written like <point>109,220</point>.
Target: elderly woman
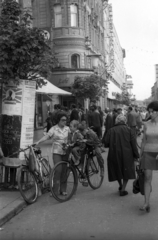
<point>59,134</point>
<point>149,151</point>
<point>122,153</point>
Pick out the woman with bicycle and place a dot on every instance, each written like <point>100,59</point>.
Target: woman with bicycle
<point>149,152</point>
<point>59,134</point>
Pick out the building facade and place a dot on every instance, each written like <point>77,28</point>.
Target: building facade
<point>154,89</point>
<point>82,36</point>
<point>115,55</point>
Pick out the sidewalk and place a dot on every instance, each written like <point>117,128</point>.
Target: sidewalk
<point>11,202</point>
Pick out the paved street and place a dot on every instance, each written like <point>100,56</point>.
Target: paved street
<point>99,214</point>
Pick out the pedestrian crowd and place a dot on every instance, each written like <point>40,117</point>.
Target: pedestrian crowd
<point>122,127</point>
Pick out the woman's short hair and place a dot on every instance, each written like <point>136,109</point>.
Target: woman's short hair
<point>153,105</point>
<point>75,123</point>
<point>60,115</point>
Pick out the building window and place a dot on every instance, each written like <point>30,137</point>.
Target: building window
<point>27,3</point>
<point>75,61</point>
<point>57,16</point>
<point>74,15</point>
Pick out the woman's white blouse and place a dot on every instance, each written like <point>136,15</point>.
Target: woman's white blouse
<point>59,136</point>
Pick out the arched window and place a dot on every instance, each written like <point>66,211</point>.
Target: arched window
<point>57,15</point>
<point>75,61</point>
<point>74,15</point>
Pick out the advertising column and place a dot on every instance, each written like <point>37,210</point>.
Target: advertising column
<point>18,103</point>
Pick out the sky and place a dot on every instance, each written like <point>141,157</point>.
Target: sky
<point>136,23</point>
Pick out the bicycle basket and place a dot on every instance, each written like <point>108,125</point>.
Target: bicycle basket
<point>33,165</point>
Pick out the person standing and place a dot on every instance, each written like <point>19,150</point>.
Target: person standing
<point>132,119</point>
<point>94,121</point>
<point>74,113</point>
<point>122,153</point>
<point>59,134</point>
<point>115,113</point>
<point>101,115</point>
<point>57,109</point>
<point>108,122</point>
<point>149,152</point>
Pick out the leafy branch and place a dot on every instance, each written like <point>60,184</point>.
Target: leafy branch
<point>89,87</point>
<point>24,51</point>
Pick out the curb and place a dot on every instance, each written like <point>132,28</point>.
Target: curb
<point>11,210</point>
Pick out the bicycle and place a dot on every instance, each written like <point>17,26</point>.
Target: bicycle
<point>29,180</point>
<point>72,174</point>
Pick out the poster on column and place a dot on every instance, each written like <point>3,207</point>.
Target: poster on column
<point>28,112</point>
<point>12,99</point>
<point>11,133</point>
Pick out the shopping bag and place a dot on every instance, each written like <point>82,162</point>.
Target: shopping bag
<point>138,184</point>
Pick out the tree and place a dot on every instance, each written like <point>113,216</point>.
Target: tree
<point>24,52</point>
<point>123,98</point>
<point>88,87</point>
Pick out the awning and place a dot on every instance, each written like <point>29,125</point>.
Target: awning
<point>49,88</point>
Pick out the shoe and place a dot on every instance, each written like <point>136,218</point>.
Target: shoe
<point>76,162</point>
<point>63,193</point>
<point>123,193</point>
<point>145,208</point>
<point>85,183</point>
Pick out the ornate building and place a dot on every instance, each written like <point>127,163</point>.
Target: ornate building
<point>76,34</point>
<point>83,38</point>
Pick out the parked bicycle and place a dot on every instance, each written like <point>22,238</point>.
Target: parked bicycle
<point>34,174</point>
<point>67,175</point>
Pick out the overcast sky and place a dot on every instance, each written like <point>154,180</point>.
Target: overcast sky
<point>136,23</point>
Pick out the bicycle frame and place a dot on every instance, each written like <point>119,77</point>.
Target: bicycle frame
<point>87,155</point>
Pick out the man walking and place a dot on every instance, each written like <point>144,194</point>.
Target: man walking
<point>132,118</point>
<point>94,121</point>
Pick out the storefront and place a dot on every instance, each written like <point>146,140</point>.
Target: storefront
<point>64,79</point>
<point>111,97</point>
<point>46,98</point>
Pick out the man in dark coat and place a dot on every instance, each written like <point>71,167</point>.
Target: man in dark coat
<point>74,114</point>
<point>95,122</point>
<point>132,119</point>
<point>122,153</point>
<point>109,123</point>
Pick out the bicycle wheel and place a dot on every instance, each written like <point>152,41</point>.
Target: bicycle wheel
<point>46,169</point>
<point>63,178</point>
<point>27,185</point>
<point>94,175</point>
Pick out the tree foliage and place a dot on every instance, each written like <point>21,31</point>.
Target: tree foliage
<point>123,98</point>
<point>89,87</point>
<point>24,52</point>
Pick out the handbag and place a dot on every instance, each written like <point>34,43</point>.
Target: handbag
<point>138,184</point>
